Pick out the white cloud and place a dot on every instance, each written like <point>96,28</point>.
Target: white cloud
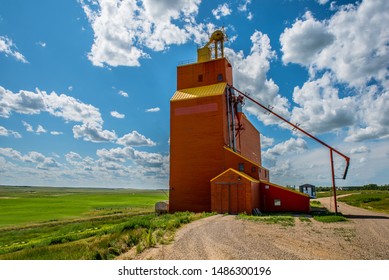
<point>320,109</point>
<point>135,139</point>
<point>123,93</point>
<point>372,113</point>
<point>63,106</point>
<point>40,129</point>
<point>117,115</point>
<point>250,75</point>
<point>72,156</point>
<point>221,11</point>
<point>153,110</point>
<point>9,48</point>
<point>243,6</point>
<point>322,2</point>
<point>304,41</point>
<point>353,43</point>
<point>123,29</point>
<point>360,150</point>
<point>41,44</point>
<point>141,158</point>
<point>266,142</point>
<point>40,161</point>
<point>291,145</point>
<point>348,49</point>
<point>6,132</point>
<point>56,132</point>
<point>28,126</point>
<point>93,132</point>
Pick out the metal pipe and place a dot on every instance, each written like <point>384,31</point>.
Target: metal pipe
<point>333,181</point>
<point>233,125</point>
<point>228,119</point>
<point>347,159</point>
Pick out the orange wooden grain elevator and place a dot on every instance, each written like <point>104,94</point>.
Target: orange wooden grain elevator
<point>215,153</point>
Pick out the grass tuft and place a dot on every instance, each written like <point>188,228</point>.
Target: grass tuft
<point>284,220</point>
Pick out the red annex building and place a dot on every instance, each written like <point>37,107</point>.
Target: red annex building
<point>215,152</point>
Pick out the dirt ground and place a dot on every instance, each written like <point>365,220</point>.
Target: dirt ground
<point>364,237</point>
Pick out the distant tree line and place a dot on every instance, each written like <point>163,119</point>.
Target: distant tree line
<point>365,187</point>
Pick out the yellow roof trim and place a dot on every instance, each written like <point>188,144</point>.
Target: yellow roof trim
<point>196,92</point>
<point>244,175</point>
<point>284,188</point>
<point>246,159</point>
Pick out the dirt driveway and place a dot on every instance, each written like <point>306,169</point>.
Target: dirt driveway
<point>364,236</point>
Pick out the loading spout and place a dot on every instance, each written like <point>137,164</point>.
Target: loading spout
<point>347,159</point>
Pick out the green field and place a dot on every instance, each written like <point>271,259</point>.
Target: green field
<point>371,200</point>
<point>73,223</point>
<point>374,200</point>
<point>26,205</point>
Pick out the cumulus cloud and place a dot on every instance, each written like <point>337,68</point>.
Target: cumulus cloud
<point>250,75</point>
<point>7,132</point>
<point>124,30</point>
<point>353,43</point>
<point>40,129</point>
<point>304,40</point>
<point>93,132</point>
<point>59,105</point>
<point>117,115</point>
<point>373,117</point>
<point>141,158</point>
<point>348,49</point>
<point>135,139</point>
<point>266,142</point>
<point>320,109</point>
<point>10,49</point>
<point>153,110</point>
<point>293,145</point>
<point>40,161</point>
<point>221,11</point>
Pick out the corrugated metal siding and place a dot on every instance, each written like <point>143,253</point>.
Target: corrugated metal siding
<point>190,93</point>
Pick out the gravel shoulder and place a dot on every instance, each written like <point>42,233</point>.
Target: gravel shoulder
<point>365,237</point>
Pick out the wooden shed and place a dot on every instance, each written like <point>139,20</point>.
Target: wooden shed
<point>234,192</point>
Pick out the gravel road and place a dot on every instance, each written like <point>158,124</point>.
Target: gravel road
<point>364,236</point>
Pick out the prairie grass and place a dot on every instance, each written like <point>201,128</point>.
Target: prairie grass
<point>372,200</point>
<point>104,239</point>
<point>284,220</point>
<point>330,217</point>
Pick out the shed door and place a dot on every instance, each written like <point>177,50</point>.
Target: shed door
<point>234,199</point>
<point>230,198</point>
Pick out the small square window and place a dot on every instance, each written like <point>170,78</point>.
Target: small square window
<point>241,167</point>
<point>200,78</point>
<point>277,202</point>
<point>220,77</point>
<point>253,169</point>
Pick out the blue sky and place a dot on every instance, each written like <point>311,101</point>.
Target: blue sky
<point>85,86</point>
